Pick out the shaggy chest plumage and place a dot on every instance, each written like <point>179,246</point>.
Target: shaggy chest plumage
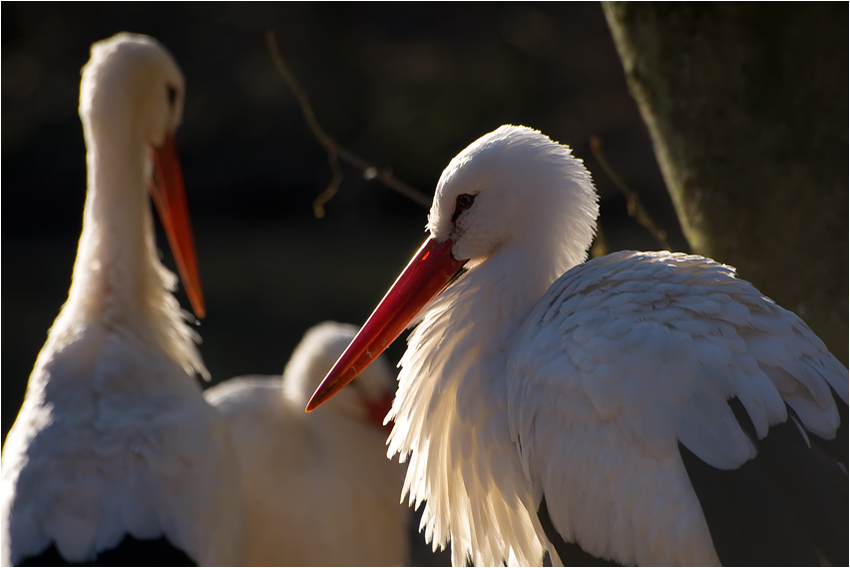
<point>450,412</point>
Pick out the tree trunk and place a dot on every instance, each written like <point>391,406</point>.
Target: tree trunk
<point>747,106</point>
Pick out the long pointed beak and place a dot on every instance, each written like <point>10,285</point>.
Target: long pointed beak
<point>425,276</point>
<point>168,195</point>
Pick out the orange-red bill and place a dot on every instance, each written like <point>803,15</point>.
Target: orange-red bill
<point>168,195</point>
<point>378,409</point>
<point>425,276</point>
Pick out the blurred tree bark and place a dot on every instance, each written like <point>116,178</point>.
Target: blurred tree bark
<point>747,106</point>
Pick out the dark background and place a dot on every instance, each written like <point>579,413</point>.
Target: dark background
<point>403,85</point>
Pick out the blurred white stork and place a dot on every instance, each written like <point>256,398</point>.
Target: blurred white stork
<point>115,456</point>
<point>320,489</point>
<point>639,408</point>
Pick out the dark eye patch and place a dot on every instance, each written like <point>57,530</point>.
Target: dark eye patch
<point>464,201</point>
<point>172,94</point>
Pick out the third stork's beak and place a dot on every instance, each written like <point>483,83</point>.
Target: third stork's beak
<point>425,276</point>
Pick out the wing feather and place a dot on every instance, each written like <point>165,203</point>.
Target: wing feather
<point>626,366</point>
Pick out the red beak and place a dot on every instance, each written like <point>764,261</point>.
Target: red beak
<point>378,409</point>
<point>166,189</point>
<point>425,276</point>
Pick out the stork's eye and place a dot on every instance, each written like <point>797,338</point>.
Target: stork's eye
<point>172,94</point>
<point>464,202</point>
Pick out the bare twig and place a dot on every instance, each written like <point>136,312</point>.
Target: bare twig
<point>600,244</point>
<point>335,151</point>
<point>633,203</point>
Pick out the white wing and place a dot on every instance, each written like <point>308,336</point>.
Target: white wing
<point>96,454</point>
<point>647,387</point>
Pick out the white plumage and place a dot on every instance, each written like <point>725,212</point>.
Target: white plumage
<point>114,437</point>
<point>640,408</point>
<point>320,490</point>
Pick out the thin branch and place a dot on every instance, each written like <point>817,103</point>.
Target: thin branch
<point>634,205</point>
<point>600,243</point>
<point>335,151</point>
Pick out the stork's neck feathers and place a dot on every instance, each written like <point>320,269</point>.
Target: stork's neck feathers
<point>118,279</point>
<point>116,265</point>
<point>451,411</point>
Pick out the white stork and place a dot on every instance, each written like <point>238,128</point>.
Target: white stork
<point>320,490</point>
<point>639,408</point>
<point>115,456</point>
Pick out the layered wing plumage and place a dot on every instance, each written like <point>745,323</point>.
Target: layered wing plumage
<point>644,385</point>
<point>114,439</point>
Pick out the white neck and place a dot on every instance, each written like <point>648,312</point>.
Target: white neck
<point>118,279</point>
<point>116,269</point>
<point>490,303</point>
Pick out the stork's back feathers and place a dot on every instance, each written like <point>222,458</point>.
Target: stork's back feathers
<point>320,489</point>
